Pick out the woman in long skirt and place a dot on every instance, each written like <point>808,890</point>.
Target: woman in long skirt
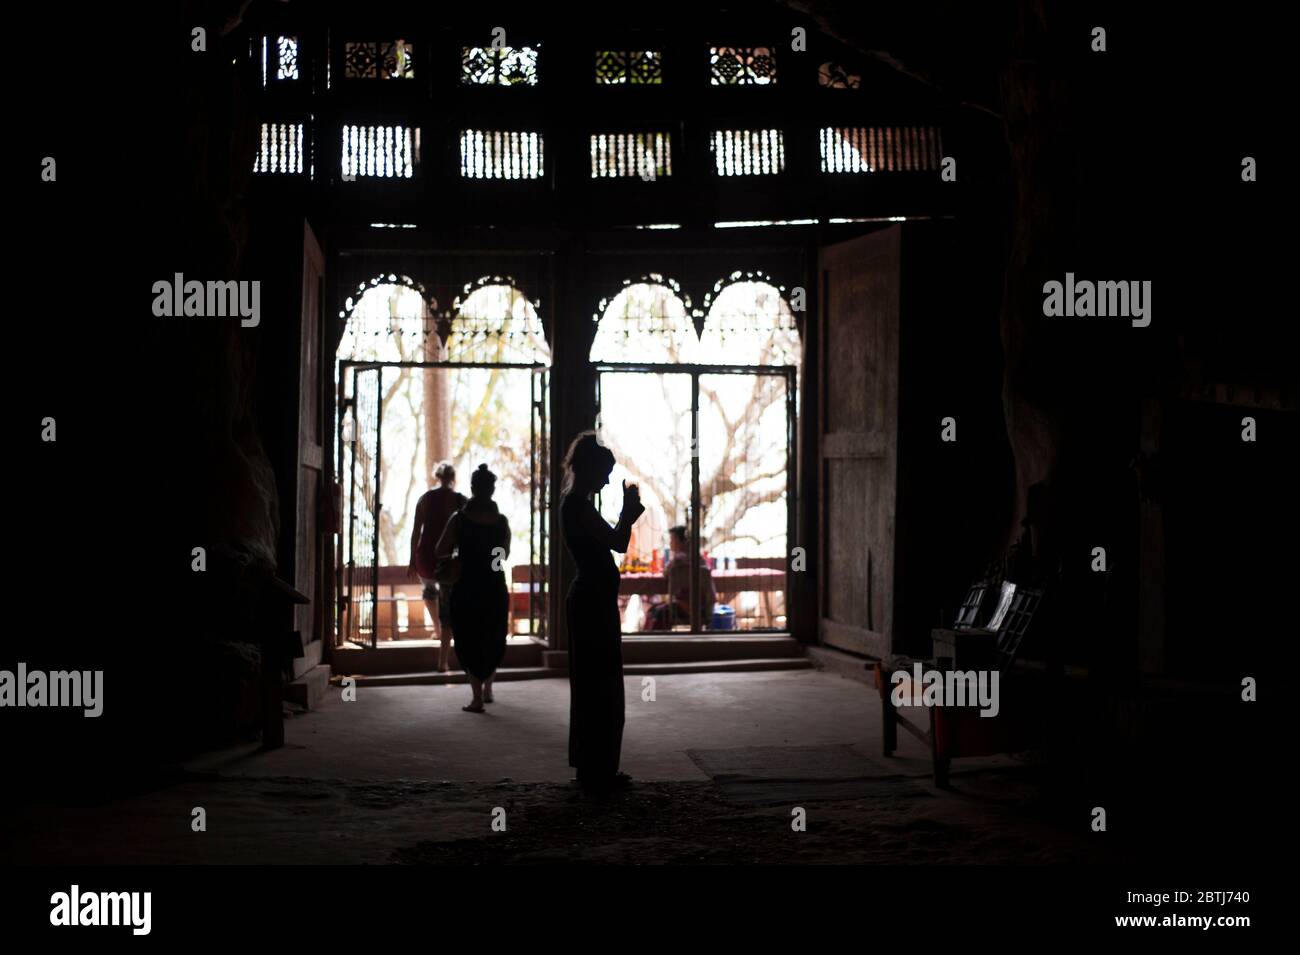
<point>480,535</point>
<point>591,606</point>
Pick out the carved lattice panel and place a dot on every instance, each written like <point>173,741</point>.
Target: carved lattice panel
<point>881,149</point>
<point>384,60</point>
<point>500,66</point>
<point>280,149</point>
<point>647,156</point>
<point>386,152</point>
<point>501,154</point>
<point>748,152</point>
<point>742,65</point>
<point>286,58</point>
<point>637,67</point>
<point>396,60</point>
<point>836,77</point>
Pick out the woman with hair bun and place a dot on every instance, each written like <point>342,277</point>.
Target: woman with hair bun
<point>591,608</point>
<point>432,512</point>
<point>480,536</point>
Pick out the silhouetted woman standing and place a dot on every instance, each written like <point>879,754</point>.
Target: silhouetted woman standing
<point>479,601</point>
<point>591,607</point>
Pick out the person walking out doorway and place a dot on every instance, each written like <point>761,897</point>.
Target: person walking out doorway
<point>480,535</point>
<point>432,512</point>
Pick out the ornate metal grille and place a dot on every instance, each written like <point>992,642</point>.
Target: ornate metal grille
<point>280,149</point>
<point>380,151</point>
<point>499,66</point>
<point>834,76</point>
<point>742,65</point>
<point>881,149</point>
<point>638,67</point>
<point>383,60</point>
<point>624,155</point>
<point>501,154</point>
<point>748,152</point>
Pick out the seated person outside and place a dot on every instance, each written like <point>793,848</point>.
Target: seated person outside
<point>677,609</point>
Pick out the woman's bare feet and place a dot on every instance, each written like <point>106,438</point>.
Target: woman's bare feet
<point>487,693</point>
<point>473,708</point>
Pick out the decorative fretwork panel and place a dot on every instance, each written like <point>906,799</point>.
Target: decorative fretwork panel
<point>392,317</point>
<point>493,321</point>
<point>648,321</point>
<point>742,65</point>
<point>500,154</point>
<point>280,149</point>
<point>749,323</point>
<point>286,67</point>
<point>647,156</point>
<point>834,76</point>
<point>748,152</point>
<point>388,318</point>
<point>501,66</point>
<point>386,152</point>
<point>638,67</point>
<point>384,60</point>
<point>881,149</point>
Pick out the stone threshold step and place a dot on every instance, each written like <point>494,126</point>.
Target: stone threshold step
<point>434,678</point>
<point>507,674</point>
<point>719,666</point>
<point>392,661</point>
<point>309,689</point>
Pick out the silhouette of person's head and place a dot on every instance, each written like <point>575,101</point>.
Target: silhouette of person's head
<point>587,464</point>
<point>445,474</point>
<point>677,539</point>
<point>482,483</point>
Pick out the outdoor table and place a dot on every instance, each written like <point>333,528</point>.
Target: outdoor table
<point>757,579</point>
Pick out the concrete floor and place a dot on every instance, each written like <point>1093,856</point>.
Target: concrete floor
<point>403,775</point>
<point>420,732</point>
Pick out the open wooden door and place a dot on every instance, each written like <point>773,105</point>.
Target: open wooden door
<point>858,442</point>
<point>309,577</point>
